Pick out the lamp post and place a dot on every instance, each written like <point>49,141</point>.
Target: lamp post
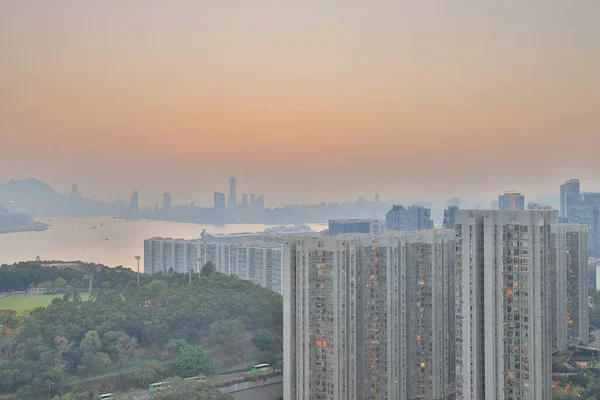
<point>138,263</point>
<point>49,383</point>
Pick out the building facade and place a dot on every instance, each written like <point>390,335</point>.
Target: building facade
<point>554,214</point>
<point>569,197</point>
<point>369,316</point>
<point>413,218</point>
<point>568,285</point>
<point>134,202</point>
<point>502,311</point>
<point>257,261</point>
<point>232,200</point>
<point>166,201</point>
<point>449,217</point>
<point>354,225</point>
<point>219,201</point>
<point>511,201</point>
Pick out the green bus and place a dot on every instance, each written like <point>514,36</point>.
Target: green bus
<point>154,387</point>
<point>262,368</point>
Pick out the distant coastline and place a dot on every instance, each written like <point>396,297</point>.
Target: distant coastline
<point>34,227</point>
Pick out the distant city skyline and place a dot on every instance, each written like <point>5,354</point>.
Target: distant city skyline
<point>304,99</point>
<point>204,197</point>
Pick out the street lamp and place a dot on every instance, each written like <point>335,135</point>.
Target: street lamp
<point>138,262</point>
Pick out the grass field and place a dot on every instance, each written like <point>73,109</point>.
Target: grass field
<point>22,302</point>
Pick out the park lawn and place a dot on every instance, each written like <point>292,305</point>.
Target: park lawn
<point>22,302</point>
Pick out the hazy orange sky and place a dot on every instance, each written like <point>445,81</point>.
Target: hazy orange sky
<point>302,101</point>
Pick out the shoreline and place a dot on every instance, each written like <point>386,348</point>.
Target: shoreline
<point>38,227</point>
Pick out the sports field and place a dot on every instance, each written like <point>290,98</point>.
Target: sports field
<point>22,302</point>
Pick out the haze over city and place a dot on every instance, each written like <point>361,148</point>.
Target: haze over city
<point>304,101</point>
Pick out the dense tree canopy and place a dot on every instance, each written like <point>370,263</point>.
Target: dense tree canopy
<point>208,269</point>
<point>263,339</point>
<point>193,361</point>
<point>23,275</point>
<point>72,336</point>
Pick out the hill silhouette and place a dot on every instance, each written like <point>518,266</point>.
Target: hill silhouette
<point>35,197</point>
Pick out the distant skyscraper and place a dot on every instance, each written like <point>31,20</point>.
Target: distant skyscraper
<point>449,217</point>
<point>511,201</point>
<point>260,203</point>
<point>582,208</point>
<point>133,203</point>
<point>502,326</point>
<point>413,218</point>
<point>569,197</point>
<point>369,316</point>
<point>219,201</point>
<point>74,189</point>
<point>166,201</point>
<point>232,201</point>
<point>245,200</point>
<point>453,202</point>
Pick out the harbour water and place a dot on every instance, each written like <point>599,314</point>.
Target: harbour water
<point>104,240</point>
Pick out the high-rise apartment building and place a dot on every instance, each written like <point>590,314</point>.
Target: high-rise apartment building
<point>369,316</point>
<point>511,201</point>
<point>219,201</point>
<point>568,285</point>
<point>413,218</point>
<point>232,200</point>
<point>554,214</point>
<point>587,211</point>
<point>257,261</point>
<point>449,217</point>
<point>502,320</point>
<point>569,197</point>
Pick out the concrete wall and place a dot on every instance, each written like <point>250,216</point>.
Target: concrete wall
<point>270,389</point>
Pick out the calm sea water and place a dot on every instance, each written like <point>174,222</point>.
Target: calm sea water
<point>72,239</point>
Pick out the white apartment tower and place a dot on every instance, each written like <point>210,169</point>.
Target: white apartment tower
<point>502,320</point>
<point>369,316</point>
<point>257,261</point>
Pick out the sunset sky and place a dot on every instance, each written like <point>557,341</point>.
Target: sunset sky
<point>301,100</point>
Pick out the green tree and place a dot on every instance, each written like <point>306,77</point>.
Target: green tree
<point>7,318</point>
<point>263,339</point>
<point>93,359</point>
<point>91,342</point>
<point>193,361</point>
<point>60,282</point>
<point>208,269</point>
<point>227,332</point>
